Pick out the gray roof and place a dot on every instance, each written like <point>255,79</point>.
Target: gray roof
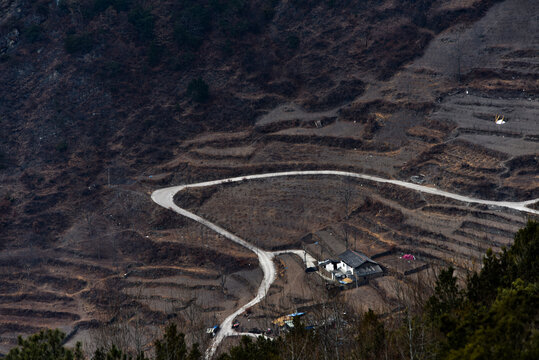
<point>368,269</point>
<point>354,259</point>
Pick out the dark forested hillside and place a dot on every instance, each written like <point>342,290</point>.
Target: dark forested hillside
<point>94,86</point>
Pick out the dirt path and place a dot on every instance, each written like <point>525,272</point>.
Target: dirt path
<point>165,198</point>
<point>291,111</point>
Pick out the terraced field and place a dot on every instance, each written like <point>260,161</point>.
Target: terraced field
<point>194,196</point>
<point>327,214</point>
<point>140,281</point>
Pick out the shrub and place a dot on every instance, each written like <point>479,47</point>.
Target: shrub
<point>34,33</point>
<point>101,5</point>
<point>292,42</point>
<point>2,160</point>
<point>92,9</point>
<point>155,53</point>
<point>122,5</point>
<point>61,146</point>
<point>183,61</point>
<point>143,21</point>
<point>119,5</point>
<point>192,23</point>
<point>227,49</point>
<point>186,38</point>
<point>193,19</point>
<point>63,6</point>
<point>42,9</point>
<point>80,44</point>
<point>198,90</point>
<point>110,69</point>
<point>241,27</point>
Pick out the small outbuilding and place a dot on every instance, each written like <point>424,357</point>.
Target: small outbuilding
<point>328,265</point>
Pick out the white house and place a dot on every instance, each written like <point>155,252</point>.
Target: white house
<point>358,264</point>
<point>352,263</point>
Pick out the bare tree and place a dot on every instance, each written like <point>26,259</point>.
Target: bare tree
<point>346,195</point>
<point>412,334</point>
<point>222,281</point>
<point>196,320</point>
<point>89,222</point>
<point>459,43</point>
<point>113,329</point>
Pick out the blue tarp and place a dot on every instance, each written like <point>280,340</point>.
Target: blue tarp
<point>297,314</point>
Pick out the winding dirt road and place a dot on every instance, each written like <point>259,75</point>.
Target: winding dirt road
<point>165,198</point>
